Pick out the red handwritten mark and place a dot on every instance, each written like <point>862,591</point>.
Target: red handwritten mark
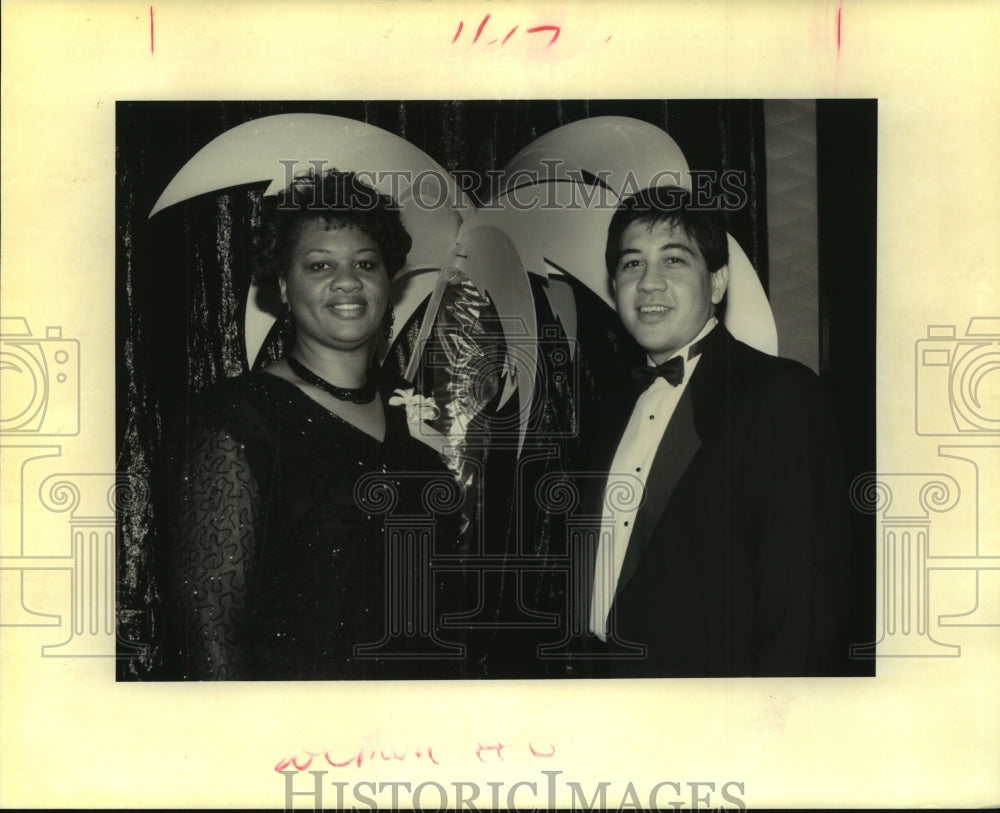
<point>498,748</point>
<point>294,761</point>
<point>152,39</point>
<point>430,755</point>
<point>303,761</point>
<point>539,28</point>
<point>535,753</point>
<point>554,30</point>
<point>479,30</point>
<point>356,759</point>
<point>839,10</point>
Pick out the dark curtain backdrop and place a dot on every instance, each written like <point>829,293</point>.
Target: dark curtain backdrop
<point>183,277</point>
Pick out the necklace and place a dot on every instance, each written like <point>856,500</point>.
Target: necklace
<point>359,395</point>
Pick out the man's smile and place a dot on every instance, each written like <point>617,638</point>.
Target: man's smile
<point>652,313</point>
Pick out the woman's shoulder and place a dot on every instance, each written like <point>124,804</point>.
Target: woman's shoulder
<point>252,386</point>
<point>251,400</point>
<point>229,414</point>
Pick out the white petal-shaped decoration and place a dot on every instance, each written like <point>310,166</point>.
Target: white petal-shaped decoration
<point>488,257</point>
<point>562,218</point>
<point>407,294</point>
<point>626,155</point>
<point>277,148</point>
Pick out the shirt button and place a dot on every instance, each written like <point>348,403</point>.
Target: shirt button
<point>651,417</point>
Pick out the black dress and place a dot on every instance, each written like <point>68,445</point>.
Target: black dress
<point>279,546</point>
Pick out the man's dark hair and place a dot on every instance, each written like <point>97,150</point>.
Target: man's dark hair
<point>337,199</point>
<point>670,204</point>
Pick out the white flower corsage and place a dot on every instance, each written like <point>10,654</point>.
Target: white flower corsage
<point>419,408</point>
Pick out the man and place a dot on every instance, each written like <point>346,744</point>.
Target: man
<point>733,558</point>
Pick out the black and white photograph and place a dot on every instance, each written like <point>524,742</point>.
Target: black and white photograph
<point>471,405</point>
<point>433,468</point>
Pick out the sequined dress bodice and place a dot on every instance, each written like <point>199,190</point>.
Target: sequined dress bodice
<point>278,569</point>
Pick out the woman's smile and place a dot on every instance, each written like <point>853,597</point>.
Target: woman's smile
<point>352,309</point>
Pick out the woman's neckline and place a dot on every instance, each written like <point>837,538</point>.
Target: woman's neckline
<point>269,376</point>
<point>364,394</point>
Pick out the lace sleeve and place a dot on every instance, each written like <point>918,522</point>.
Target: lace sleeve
<point>214,548</point>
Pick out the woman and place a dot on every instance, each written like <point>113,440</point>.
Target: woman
<point>279,562</point>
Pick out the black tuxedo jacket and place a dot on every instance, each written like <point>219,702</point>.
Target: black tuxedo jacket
<point>738,563</point>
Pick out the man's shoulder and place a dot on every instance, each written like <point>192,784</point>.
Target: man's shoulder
<point>752,365</point>
<point>736,379</point>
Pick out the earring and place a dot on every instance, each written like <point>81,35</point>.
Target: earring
<point>388,321</point>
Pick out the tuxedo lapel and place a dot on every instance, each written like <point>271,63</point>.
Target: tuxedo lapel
<point>677,448</point>
<point>698,409</point>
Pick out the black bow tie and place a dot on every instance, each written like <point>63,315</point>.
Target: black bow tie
<point>672,369</point>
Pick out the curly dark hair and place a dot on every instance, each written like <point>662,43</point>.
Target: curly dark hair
<point>338,199</point>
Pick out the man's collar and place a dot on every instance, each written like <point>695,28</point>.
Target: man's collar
<point>685,351</point>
